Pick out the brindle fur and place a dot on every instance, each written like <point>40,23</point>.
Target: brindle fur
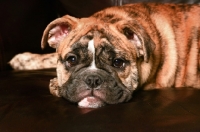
<point>169,54</point>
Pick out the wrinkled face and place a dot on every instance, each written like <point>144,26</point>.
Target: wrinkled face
<point>94,70</point>
<point>97,58</point>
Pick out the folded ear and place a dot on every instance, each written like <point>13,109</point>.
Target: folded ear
<point>143,44</point>
<point>57,30</point>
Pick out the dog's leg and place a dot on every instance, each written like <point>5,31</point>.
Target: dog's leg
<point>30,61</point>
<point>53,87</point>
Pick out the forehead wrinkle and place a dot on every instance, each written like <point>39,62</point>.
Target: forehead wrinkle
<point>81,30</point>
<point>111,35</point>
<point>82,43</point>
<point>120,42</point>
<point>114,45</point>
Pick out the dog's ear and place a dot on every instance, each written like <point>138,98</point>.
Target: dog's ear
<point>57,30</point>
<point>143,43</point>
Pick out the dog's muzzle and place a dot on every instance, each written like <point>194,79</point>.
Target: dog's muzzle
<point>94,82</point>
<point>93,89</point>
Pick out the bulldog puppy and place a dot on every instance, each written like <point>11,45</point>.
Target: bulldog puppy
<point>102,59</point>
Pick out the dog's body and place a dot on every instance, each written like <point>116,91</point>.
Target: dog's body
<point>104,58</point>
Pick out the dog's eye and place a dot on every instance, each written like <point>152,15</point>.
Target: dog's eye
<point>128,33</point>
<point>118,63</point>
<point>71,61</point>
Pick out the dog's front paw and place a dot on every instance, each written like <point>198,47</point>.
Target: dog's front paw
<point>54,88</point>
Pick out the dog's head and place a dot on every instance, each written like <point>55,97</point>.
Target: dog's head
<point>98,57</point>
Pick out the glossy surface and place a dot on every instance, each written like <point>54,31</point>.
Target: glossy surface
<point>27,105</point>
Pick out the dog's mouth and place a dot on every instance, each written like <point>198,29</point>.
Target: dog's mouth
<point>91,102</point>
<point>94,89</point>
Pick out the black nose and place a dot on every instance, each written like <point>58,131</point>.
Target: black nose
<point>93,81</point>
